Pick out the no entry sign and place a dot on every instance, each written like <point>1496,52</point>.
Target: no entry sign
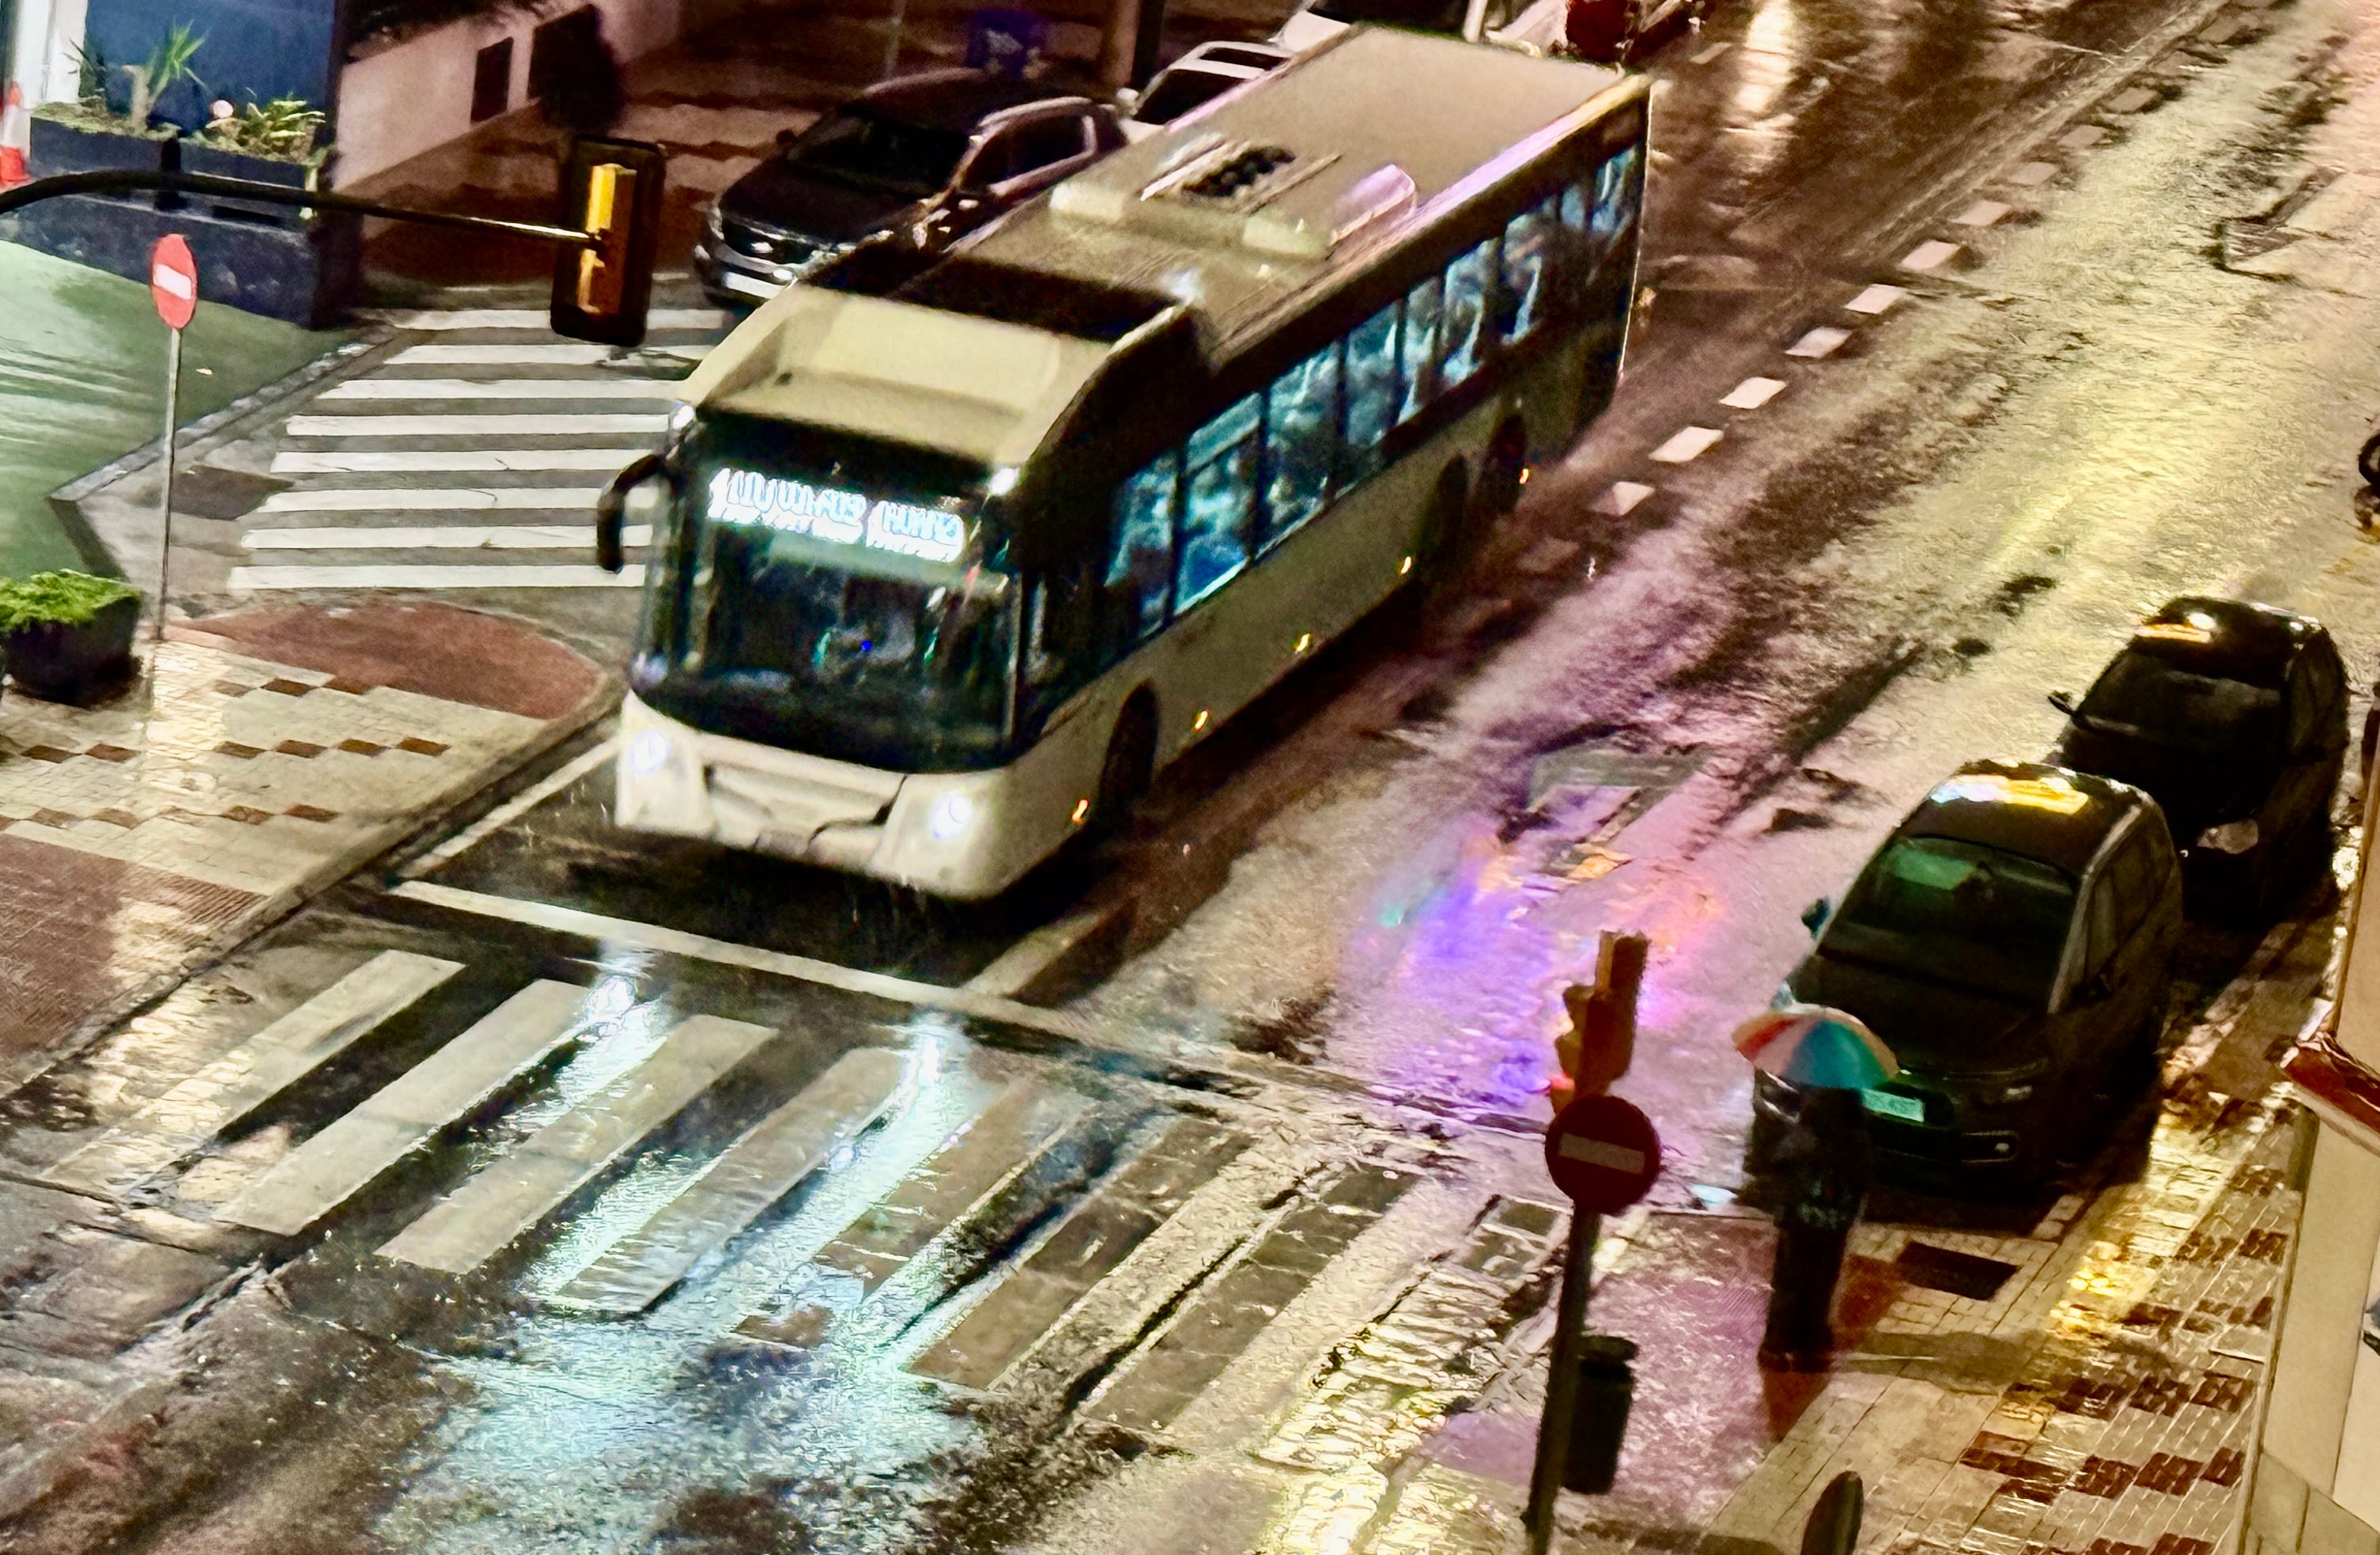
<point>1603,1153</point>
<point>174,281</point>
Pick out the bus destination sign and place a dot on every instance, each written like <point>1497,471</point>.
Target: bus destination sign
<point>829,512</point>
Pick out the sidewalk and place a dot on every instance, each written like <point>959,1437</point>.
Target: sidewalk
<point>255,765</point>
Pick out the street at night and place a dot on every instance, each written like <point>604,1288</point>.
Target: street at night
<point>820,1032</point>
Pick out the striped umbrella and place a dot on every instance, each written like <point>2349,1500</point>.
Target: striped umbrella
<point>1810,1045</point>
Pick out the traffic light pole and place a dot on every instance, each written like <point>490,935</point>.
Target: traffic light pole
<point>124,181</point>
<point>1562,1381</point>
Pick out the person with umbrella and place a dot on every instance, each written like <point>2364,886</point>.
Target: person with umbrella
<point>1824,1163</point>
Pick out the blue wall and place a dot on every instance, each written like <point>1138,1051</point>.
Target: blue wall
<point>254,48</point>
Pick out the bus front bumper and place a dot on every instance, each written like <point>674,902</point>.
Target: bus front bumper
<point>939,832</point>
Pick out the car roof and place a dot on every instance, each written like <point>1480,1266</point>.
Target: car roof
<point>2026,808</point>
<point>2231,639</point>
<point>959,100</point>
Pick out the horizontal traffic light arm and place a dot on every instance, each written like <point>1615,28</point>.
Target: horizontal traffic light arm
<point>134,182</point>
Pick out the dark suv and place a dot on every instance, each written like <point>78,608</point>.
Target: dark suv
<point>2234,717</point>
<point>921,160</point>
<point>2010,942</point>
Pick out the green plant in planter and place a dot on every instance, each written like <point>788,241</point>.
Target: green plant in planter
<point>168,66</point>
<point>285,128</point>
<point>68,634</point>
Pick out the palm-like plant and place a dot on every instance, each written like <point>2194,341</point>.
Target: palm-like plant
<point>168,65</point>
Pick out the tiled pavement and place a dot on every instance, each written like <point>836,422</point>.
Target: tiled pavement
<point>230,784</point>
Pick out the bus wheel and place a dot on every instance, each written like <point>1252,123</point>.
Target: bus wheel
<point>1499,474</point>
<point>1444,544</point>
<point>1125,775</point>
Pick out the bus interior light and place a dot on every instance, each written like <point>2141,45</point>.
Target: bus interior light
<point>950,816</point>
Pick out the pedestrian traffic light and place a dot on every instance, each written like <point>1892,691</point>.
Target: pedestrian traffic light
<point>612,191</point>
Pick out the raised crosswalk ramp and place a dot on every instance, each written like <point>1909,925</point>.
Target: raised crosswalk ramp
<point>393,474</point>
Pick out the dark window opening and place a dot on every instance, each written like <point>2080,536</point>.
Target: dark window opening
<point>492,80</point>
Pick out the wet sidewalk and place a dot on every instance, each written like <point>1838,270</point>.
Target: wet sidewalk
<point>254,765</point>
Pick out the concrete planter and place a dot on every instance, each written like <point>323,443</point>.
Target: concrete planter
<point>307,272</point>
<point>74,663</point>
<point>216,162</point>
<point>59,147</point>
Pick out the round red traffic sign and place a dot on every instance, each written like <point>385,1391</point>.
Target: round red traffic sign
<point>1603,1153</point>
<point>174,280</point>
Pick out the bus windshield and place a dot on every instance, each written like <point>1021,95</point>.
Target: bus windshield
<point>805,605</point>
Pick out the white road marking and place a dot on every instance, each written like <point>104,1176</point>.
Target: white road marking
<point>2132,100</point>
<point>568,354</point>
<point>504,388</point>
<point>1706,55</point>
<point>1622,498</point>
<point>1687,444</point>
<point>2083,137</point>
<point>512,809</point>
<point>507,1196</point>
<point>442,499</point>
<point>1875,299</point>
<point>1753,392</point>
<point>782,964</point>
<point>1932,254</point>
<point>527,424</point>
<point>528,318</point>
<point>496,537</point>
<point>1983,212</point>
<point>2033,173</point>
<point>1822,341</point>
<point>403,1116</point>
<point>451,461</point>
<point>254,579</point>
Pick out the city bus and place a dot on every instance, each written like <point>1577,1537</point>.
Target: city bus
<point>946,567</point>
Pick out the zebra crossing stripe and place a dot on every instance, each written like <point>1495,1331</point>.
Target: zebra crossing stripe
<point>253,580</point>
<point>739,1185</point>
<point>464,499</point>
<point>491,424</point>
<point>448,1086</point>
<point>505,388</point>
<point>501,537</point>
<point>1087,1246</point>
<point>973,1165</point>
<point>491,1211</point>
<point>450,461</point>
<point>568,355</point>
<point>251,1073</point>
<point>528,318</point>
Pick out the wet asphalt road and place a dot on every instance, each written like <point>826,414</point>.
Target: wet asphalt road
<point>1146,1213</point>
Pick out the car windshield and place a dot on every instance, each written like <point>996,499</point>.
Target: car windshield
<point>1177,91</point>
<point>2146,698</point>
<point>865,150</point>
<point>1958,913</point>
<point>1421,16</point>
<point>797,605</point>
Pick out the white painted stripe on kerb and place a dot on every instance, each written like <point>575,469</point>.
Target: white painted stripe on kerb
<point>1599,1152</point>
<point>513,1193</point>
<point>403,1116</point>
<point>504,388</point>
<point>453,537</point>
<point>394,499</point>
<point>527,318</point>
<point>452,461</point>
<point>258,579</point>
<point>1687,444</point>
<point>569,354</point>
<point>498,424</point>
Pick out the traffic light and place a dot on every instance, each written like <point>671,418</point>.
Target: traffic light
<point>612,190</point>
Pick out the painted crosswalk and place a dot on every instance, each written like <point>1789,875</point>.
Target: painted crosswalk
<point>391,477</point>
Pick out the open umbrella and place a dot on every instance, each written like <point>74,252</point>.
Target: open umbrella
<point>1810,1045</point>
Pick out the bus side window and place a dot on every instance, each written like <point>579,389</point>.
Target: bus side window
<point>1059,651</point>
<point>1528,250</point>
<point>1371,394</point>
<point>1219,496</point>
<point>1617,190</point>
<point>1418,350</point>
<point>1140,566</point>
<point>1466,312</point>
<point>1301,443</point>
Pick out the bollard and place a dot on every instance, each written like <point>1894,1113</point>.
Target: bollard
<point>1598,1422</point>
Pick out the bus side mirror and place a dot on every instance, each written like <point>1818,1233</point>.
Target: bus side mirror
<point>612,191</point>
<point>1814,916</point>
<point>613,504</point>
<point>2063,701</point>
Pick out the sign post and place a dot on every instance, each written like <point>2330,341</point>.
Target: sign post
<point>1602,1152</point>
<point>173,286</point>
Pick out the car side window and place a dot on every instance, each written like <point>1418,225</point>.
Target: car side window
<point>2133,870</point>
<point>2305,709</point>
<point>1028,148</point>
<point>2105,935</point>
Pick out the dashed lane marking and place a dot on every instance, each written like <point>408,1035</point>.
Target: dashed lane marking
<point>1706,55</point>
<point>1983,212</point>
<point>1823,341</point>
<point>1621,498</point>
<point>1752,393</point>
<point>2033,175</point>
<point>1687,444</point>
<point>448,537</point>
<point>2083,137</point>
<point>1932,254</point>
<point>248,580</point>
<point>1875,301</point>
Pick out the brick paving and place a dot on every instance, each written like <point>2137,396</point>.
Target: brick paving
<point>137,835</point>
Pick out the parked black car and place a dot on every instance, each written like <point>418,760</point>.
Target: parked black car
<point>2234,717</point>
<point>2010,942</point>
<point>923,160</point>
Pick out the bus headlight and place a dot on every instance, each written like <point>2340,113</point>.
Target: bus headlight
<point>950,816</point>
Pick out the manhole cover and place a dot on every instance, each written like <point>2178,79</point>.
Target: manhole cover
<point>1959,1274</point>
